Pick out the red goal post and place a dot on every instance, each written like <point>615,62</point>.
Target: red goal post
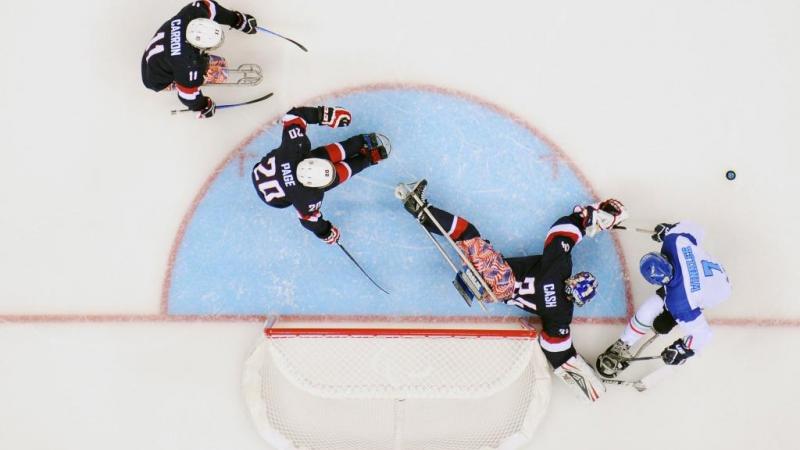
<point>452,385</point>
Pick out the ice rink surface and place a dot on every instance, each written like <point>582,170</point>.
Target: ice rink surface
<point>651,102</point>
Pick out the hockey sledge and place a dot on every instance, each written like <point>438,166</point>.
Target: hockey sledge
<point>646,381</point>
<point>468,282</point>
<point>244,75</point>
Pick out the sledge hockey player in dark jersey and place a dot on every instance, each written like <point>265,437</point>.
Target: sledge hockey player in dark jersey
<point>295,175</point>
<point>540,284</point>
<point>177,52</point>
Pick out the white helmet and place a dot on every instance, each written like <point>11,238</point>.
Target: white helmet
<point>204,34</point>
<point>316,172</point>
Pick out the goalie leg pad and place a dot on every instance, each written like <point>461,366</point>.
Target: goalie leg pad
<point>581,379</point>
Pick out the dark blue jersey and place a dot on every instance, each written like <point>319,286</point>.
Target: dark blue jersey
<point>539,288</point>
<point>275,176</point>
<point>170,58</point>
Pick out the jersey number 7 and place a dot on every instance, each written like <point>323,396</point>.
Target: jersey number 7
<point>709,267</point>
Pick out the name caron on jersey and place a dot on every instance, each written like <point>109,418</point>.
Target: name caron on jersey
<point>549,295</point>
<point>175,38</point>
<point>288,178</point>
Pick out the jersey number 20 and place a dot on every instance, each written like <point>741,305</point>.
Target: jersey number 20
<point>270,189</point>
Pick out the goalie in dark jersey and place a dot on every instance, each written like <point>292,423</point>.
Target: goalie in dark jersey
<point>176,57</point>
<point>540,284</point>
<point>295,175</point>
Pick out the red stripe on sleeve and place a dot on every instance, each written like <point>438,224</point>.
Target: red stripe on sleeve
<point>554,339</point>
<point>295,121</point>
<point>313,217</point>
<point>571,236</point>
<point>187,90</point>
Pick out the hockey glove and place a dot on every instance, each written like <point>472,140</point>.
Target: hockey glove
<point>661,231</point>
<point>677,353</point>
<point>208,111</point>
<point>333,236</point>
<point>609,214</point>
<point>334,117</point>
<point>246,23</point>
<point>601,216</point>
<point>612,206</point>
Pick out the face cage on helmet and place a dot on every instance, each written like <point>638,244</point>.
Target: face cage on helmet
<point>575,293</point>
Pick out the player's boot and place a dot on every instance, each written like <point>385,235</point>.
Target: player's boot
<point>376,147</point>
<point>614,359</point>
<point>407,193</point>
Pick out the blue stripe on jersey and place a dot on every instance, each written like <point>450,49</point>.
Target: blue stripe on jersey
<point>677,300</point>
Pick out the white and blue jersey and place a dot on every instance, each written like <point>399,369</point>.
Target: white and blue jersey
<point>699,282</point>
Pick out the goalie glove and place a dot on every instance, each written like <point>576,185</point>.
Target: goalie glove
<point>581,379</point>
<point>334,116</point>
<point>677,353</point>
<point>601,216</point>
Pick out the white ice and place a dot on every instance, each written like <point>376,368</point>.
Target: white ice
<point>653,100</point>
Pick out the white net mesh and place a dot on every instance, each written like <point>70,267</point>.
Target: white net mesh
<point>379,392</point>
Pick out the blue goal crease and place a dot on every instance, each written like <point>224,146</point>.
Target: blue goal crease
<point>240,257</point>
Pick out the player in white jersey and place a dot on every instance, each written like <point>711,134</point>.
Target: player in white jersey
<point>690,281</point>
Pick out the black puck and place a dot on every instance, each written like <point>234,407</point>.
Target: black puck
<point>731,175</point>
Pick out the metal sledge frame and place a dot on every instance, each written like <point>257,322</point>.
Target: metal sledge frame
<point>640,384</point>
<point>460,254</point>
<point>251,76</point>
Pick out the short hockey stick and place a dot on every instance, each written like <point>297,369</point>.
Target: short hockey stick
<point>643,358</point>
<point>360,268</point>
<point>231,105</point>
<point>264,30</point>
<point>647,381</point>
<point>638,385</point>
<point>645,344</point>
<point>640,230</point>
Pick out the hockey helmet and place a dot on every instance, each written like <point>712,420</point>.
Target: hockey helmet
<point>316,172</point>
<point>204,34</point>
<point>656,268</point>
<point>581,287</point>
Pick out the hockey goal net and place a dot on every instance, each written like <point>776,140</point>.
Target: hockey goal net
<point>397,388</point>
